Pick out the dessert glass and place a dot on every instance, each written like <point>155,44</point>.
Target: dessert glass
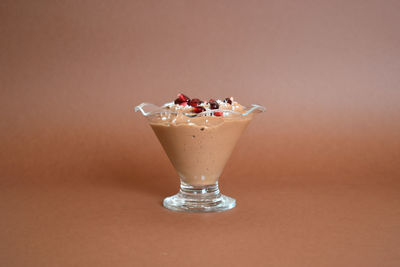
<point>198,146</point>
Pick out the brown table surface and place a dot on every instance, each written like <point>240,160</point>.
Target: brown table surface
<point>276,223</point>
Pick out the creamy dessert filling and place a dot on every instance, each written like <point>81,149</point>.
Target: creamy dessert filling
<point>199,136</point>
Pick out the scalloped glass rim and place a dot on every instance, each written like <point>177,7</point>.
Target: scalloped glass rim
<point>154,109</point>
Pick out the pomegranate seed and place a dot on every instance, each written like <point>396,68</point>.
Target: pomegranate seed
<point>198,109</point>
<point>219,113</point>
<point>178,101</point>
<point>195,102</point>
<point>228,100</point>
<point>182,100</point>
<point>213,104</point>
<point>183,97</point>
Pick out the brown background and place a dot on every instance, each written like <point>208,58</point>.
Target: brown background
<point>82,177</point>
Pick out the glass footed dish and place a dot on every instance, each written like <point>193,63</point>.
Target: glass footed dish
<point>198,146</point>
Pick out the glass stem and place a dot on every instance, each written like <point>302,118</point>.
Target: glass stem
<point>200,192</point>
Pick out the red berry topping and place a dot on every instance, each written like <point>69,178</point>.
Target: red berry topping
<point>182,99</point>
<point>195,102</point>
<point>178,101</point>
<point>198,109</point>
<point>213,104</point>
<point>228,100</point>
<point>218,113</point>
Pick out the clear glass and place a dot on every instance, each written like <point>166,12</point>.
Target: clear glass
<point>198,146</point>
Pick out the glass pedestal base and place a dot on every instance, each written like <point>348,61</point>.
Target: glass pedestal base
<point>199,199</point>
